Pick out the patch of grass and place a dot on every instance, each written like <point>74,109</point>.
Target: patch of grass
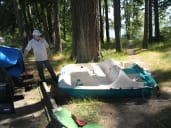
<point>85,108</point>
<point>159,58</point>
<point>111,53</point>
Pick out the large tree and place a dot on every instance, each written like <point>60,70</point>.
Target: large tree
<point>85,30</point>
<point>101,23</point>
<point>117,25</point>
<point>56,27</point>
<point>20,21</point>
<point>107,20</point>
<point>156,20</point>
<point>150,21</point>
<point>146,26</point>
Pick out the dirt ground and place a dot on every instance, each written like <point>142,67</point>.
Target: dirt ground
<point>137,112</point>
<point>114,113</point>
<point>142,112</point>
<point>29,107</point>
<point>29,112</point>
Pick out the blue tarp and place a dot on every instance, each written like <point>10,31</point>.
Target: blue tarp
<point>11,59</point>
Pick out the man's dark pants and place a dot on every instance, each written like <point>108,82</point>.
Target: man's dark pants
<point>46,63</point>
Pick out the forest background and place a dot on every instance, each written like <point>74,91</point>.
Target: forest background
<point>86,24</point>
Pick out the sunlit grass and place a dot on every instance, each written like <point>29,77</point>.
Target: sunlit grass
<point>159,58</point>
<point>85,108</point>
<point>111,53</point>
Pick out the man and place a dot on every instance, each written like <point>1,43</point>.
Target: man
<point>41,53</point>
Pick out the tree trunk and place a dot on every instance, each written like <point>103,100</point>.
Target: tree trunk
<point>156,21</point>
<point>146,26</point>
<point>63,19</point>
<point>56,29</point>
<point>44,21</point>
<point>26,17</point>
<point>37,20</point>
<point>107,20</point>
<point>20,22</point>
<point>101,24</point>
<point>85,27</point>
<point>150,21</point>
<point>30,20</point>
<point>117,25</point>
<point>49,19</point>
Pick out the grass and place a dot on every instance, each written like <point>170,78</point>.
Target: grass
<point>159,56</point>
<point>85,108</point>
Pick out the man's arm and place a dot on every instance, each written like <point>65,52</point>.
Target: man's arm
<point>25,53</point>
<point>48,53</point>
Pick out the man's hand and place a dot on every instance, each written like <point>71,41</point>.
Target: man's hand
<point>49,54</point>
<point>25,54</point>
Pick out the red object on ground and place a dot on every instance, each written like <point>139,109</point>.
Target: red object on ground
<point>78,121</point>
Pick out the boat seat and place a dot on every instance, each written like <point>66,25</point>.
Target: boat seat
<point>97,70</point>
<point>113,73</point>
<point>124,82</point>
<point>110,69</point>
<point>106,65</point>
<point>135,77</point>
<point>85,78</point>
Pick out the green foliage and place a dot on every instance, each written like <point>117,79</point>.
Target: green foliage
<point>133,17</point>
<point>65,18</point>
<point>111,53</point>
<point>158,57</point>
<point>166,33</point>
<point>8,20</point>
<point>12,41</point>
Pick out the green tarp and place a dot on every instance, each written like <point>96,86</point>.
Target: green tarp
<point>65,118</point>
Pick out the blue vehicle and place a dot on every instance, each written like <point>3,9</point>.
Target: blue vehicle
<point>11,59</point>
<point>11,71</point>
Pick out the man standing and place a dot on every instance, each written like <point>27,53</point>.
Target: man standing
<point>41,52</point>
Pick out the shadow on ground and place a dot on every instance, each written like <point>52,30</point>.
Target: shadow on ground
<point>141,112</point>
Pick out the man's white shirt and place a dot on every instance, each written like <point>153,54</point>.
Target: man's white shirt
<point>39,49</point>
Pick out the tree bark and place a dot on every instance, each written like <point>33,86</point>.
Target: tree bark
<point>56,28</point>
<point>150,21</point>
<point>37,16</point>
<point>117,25</point>
<point>146,26</point>
<point>156,21</point>
<point>107,20</point>
<point>64,19</point>
<point>44,20</point>
<point>20,22</point>
<point>85,27</point>
<point>26,18</point>
<point>101,24</point>
<point>30,20</point>
<point>48,8</point>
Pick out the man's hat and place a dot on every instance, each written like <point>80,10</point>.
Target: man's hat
<point>36,33</point>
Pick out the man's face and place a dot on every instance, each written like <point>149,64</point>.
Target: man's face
<point>36,37</point>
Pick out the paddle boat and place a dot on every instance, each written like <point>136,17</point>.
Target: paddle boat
<point>108,78</point>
